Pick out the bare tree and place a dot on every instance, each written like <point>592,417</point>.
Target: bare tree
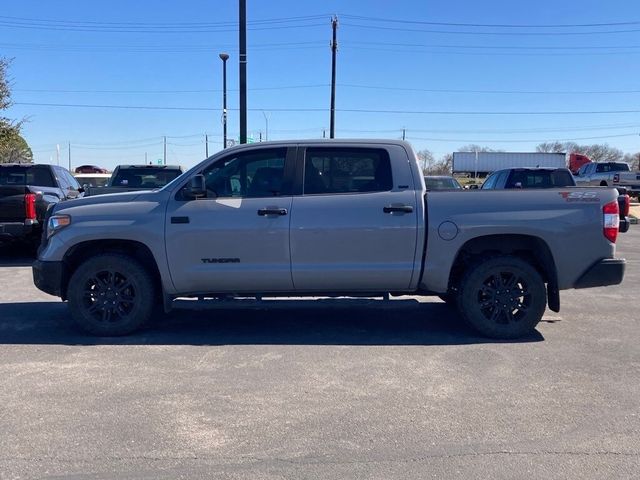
<point>426,160</point>
<point>596,152</point>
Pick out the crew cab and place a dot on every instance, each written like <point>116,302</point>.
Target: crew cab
<point>128,178</point>
<point>601,173</point>
<point>327,218</point>
<point>26,191</point>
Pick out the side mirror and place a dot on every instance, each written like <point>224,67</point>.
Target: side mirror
<point>196,187</point>
<point>82,189</point>
<point>517,185</point>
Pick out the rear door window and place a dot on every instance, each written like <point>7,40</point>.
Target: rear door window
<point>346,170</point>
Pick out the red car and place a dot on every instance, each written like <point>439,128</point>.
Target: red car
<point>90,169</point>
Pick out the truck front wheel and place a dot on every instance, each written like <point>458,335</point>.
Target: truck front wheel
<point>111,295</point>
<point>502,297</point>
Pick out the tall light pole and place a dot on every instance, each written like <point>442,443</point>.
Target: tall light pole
<point>224,57</point>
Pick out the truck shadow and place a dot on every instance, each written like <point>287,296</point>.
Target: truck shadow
<point>16,255</point>
<point>284,322</point>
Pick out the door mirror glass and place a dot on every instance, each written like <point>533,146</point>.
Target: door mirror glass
<point>196,187</point>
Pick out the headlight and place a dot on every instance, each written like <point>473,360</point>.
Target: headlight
<point>56,223</point>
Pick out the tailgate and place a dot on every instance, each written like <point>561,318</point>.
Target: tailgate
<point>12,207</point>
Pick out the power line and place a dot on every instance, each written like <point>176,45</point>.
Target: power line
<point>342,85</point>
<point>521,140</point>
<point>465,32</point>
<point>346,110</point>
<point>163,30</point>
<point>492,25</point>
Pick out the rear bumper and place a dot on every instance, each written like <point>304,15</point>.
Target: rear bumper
<point>608,271</point>
<point>48,277</point>
<point>18,230</point>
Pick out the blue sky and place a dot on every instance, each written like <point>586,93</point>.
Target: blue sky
<point>165,54</point>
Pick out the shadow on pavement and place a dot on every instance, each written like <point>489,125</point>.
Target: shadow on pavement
<point>284,322</point>
<point>16,255</point>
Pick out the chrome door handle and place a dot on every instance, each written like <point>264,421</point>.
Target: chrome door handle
<point>272,211</point>
<point>398,208</point>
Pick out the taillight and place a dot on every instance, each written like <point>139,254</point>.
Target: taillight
<point>611,214</point>
<point>624,202</point>
<point>616,178</point>
<point>30,206</point>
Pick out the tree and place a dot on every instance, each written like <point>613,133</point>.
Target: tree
<point>14,149</point>
<point>8,128</point>
<point>425,159</point>
<point>596,152</point>
<point>633,159</point>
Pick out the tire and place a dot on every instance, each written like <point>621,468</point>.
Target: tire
<point>487,302</point>
<point>111,295</point>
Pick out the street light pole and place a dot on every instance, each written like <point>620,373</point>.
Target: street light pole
<point>224,57</point>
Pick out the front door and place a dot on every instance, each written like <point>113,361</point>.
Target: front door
<point>236,239</point>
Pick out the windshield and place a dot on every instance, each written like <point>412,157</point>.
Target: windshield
<point>144,177</point>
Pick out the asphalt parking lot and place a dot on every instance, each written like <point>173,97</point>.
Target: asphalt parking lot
<point>321,390</point>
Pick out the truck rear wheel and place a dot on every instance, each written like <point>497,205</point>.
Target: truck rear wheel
<point>111,295</point>
<point>502,297</point>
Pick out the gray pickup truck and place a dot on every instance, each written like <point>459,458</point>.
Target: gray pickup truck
<point>327,218</point>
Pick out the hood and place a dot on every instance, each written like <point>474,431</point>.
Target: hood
<point>103,199</point>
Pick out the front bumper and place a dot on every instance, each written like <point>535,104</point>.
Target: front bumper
<point>49,277</point>
<point>608,271</point>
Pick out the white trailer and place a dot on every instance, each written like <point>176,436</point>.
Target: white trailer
<point>487,162</point>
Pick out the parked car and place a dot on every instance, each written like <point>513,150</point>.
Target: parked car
<point>90,169</point>
<point>601,173</point>
<point>92,179</point>
<point>127,178</point>
<point>26,191</point>
<point>441,182</point>
<point>285,219</point>
<point>529,178</point>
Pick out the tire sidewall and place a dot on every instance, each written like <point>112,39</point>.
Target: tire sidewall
<point>477,274</point>
<point>135,273</point>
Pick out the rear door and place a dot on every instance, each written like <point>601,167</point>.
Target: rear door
<point>354,227</point>
<point>237,238</point>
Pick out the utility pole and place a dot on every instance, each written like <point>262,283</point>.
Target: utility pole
<point>266,124</point>
<point>260,135</point>
<point>206,146</point>
<point>224,57</point>
<point>324,133</point>
<point>164,145</point>
<point>404,132</point>
<point>334,49</point>
<point>243,70</point>
<point>58,154</point>
<point>146,162</point>
<point>69,156</point>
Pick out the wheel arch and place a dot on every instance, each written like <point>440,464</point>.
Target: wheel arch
<point>74,257</point>
<point>530,248</point>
